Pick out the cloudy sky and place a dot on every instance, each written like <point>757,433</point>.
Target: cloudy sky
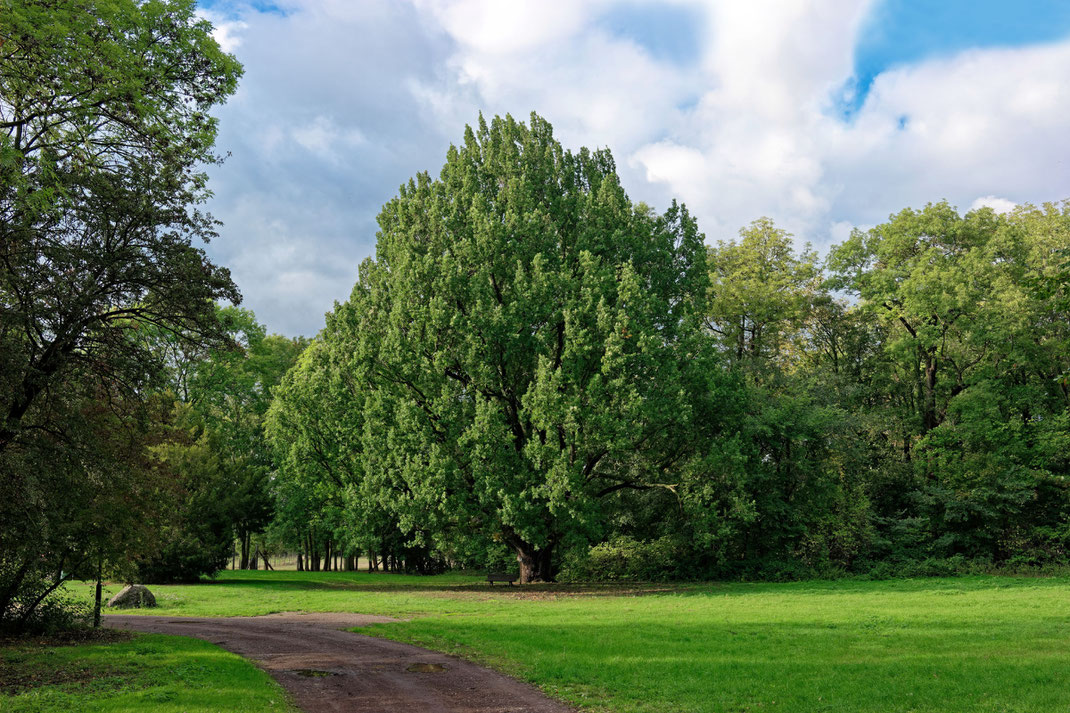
<point>821,114</point>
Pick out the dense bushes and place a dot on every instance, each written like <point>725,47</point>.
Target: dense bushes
<point>186,556</point>
<point>57,613</point>
<point>624,558</point>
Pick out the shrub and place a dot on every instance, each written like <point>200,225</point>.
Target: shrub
<point>624,558</point>
<point>58,613</point>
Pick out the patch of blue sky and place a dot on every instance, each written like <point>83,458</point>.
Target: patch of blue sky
<point>902,32</point>
<point>234,9</point>
<point>667,32</point>
<point>688,103</point>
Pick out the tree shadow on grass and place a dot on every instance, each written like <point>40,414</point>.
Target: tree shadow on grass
<point>451,585</point>
<point>416,585</point>
<point>934,585</point>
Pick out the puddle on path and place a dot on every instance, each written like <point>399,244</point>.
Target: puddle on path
<point>313,673</point>
<point>426,668</point>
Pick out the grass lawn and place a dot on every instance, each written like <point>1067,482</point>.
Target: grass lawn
<point>163,674</point>
<point>963,644</point>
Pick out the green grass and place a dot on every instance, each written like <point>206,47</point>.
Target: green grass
<point>163,674</point>
<point>988,644</point>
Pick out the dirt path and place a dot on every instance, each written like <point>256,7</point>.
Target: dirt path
<point>327,669</point>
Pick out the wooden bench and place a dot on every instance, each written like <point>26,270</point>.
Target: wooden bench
<point>493,577</point>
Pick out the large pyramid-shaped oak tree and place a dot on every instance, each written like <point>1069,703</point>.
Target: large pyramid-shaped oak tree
<point>527,341</point>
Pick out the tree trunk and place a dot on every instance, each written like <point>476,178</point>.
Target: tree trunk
<point>300,564</point>
<point>244,550</point>
<point>27,612</point>
<point>534,564</point>
<point>256,559</point>
<point>314,553</point>
<point>13,587</point>
<point>929,417</point>
<point>96,600</point>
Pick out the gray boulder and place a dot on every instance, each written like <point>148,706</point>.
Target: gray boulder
<point>133,595</point>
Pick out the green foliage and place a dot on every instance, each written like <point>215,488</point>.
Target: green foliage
<point>530,365</point>
<point>92,500</point>
<point>198,537</point>
<point>104,132</point>
<point>525,344</point>
<point>761,294</point>
<point>626,559</point>
<point>215,446</point>
<point>104,128</point>
<point>971,356</point>
<point>57,613</point>
<point>314,426</point>
<point>806,512</point>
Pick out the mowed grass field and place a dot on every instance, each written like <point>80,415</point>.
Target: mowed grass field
<point>162,674</point>
<point>961,644</point>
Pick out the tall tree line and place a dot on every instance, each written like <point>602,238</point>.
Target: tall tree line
<point>533,364</point>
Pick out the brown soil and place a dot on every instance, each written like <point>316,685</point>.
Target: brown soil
<point>327,669</point>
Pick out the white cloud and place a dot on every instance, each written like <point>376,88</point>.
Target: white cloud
<point>669,162</point>
<point>344,101</point>
<point>1000,205</point>
<point>322,131</point>
<point>225,32</point>
<point>495,27</point>
<point>763,140</point>
<point>984,123</point>
<point>755,135</point>
<point>597,90</point>
<point>839,231</point>
<point>323,137</point>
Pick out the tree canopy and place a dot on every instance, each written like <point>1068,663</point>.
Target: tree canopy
<point>104,132</point>
<point>525,343</point>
